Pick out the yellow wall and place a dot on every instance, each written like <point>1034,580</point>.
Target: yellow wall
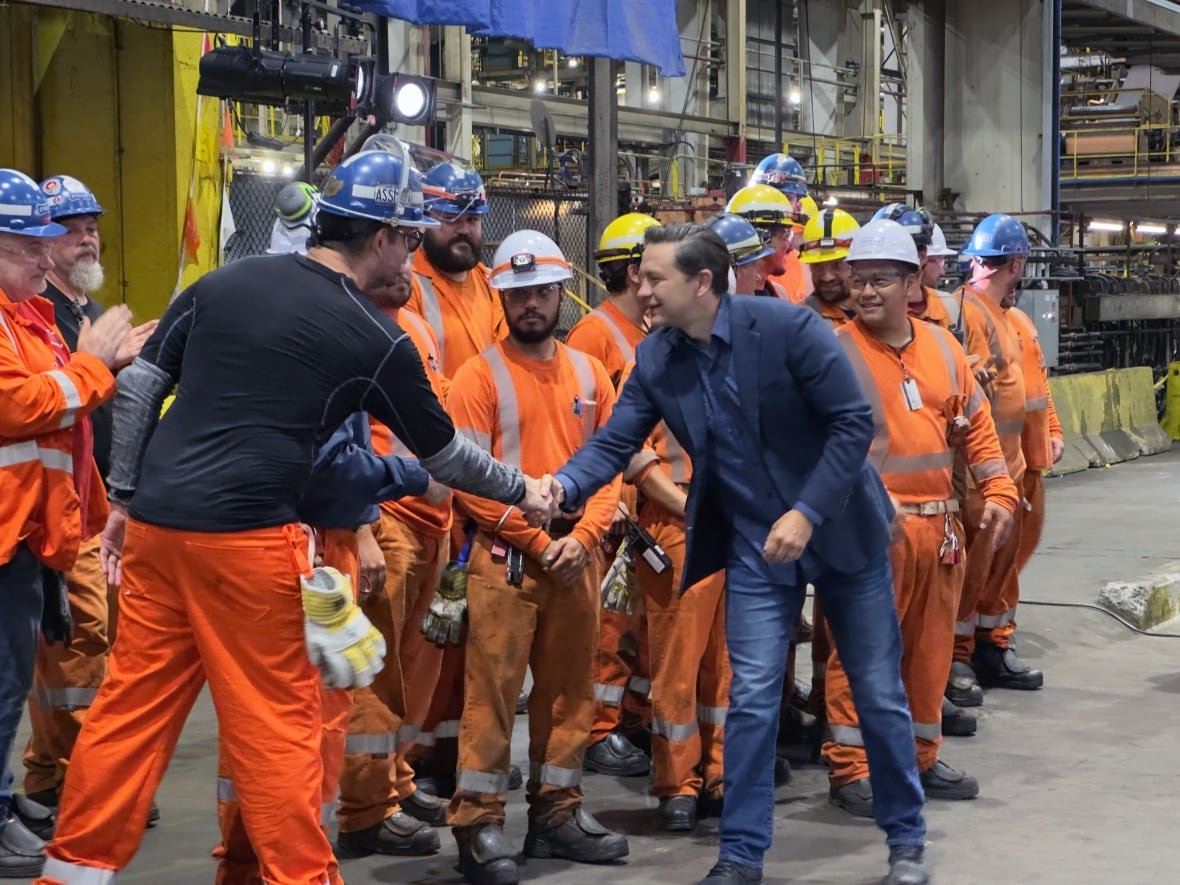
<point>113,103</point>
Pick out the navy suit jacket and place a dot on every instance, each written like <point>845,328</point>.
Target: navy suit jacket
<point>806,418</point>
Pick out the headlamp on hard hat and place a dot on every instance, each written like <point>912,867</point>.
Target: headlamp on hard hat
<point>523,262</point>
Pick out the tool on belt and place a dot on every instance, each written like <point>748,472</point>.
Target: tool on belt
<point>950,550</point>
<point>443,623</point>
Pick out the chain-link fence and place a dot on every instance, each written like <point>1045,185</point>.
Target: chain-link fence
<point>252,202</point>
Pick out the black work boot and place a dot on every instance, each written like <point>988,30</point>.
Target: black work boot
<point>22,853</point>
<point>616,755</point>
<point>782,771</point>
<point>943,782</point>
<point>439,786</point>
<point>426,808</point>
<point>37,819</point>
<point>48,798</point>
<point>678,814</point>
<point>515,777</point>
<point>855,797</point>
<point>580,838</point>
<point>726,872</point>
<point>962,688</point>
<point>907,866</point>
<point>1000,668</point>
<point>486,856</point>
<point>957,722</point>
<point>398,834</point>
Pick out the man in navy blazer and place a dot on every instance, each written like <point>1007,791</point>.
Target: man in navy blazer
<point>762,398</point>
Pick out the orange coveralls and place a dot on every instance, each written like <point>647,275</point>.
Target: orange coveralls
<point>620,685</point>
<point>535,414</point>
<point>795,280</point>
<point>910,450</point>
<point>991,586</point>
<point>388,716</point>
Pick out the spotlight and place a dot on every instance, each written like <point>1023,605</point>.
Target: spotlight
<point>653,95</point>
<point>405,98</point>
<point>539,86</point>
<point>794,96</point>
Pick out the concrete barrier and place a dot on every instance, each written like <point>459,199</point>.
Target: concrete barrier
<point>1146,601</point>
<point>1108,417</point>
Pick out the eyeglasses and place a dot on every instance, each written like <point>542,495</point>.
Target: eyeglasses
<point>521,296</point>
<point>878,281</point>
<point>30,252</point>
<point>773,232</point>
<point>412,236</point>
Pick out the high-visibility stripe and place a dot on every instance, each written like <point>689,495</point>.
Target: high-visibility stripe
<point>847,735</point>
<point>944,339</point>
<point>1010,428</point>
<point>507,406</point>
<point>408,734</point>
<point>639,685</point>
<point>711,715</point>
<point>482,782</point>
<point>69,390</point>
<point>425,739</point>
<point>427,334</point>
<point>611,695</point>
<point>927,731</point>
<point>918,463</point>
<point>28,451</point>
<point>879,447</point>
<point>76,873</point>
<point>965,628</point>
<point>987,469</point>
<point>674,731</point>
<point>975,401</point>
<point>991,621</point>
<point>587,383</point>
<point>379,744</point>
<point>8,332</point>
<point>481,439</point>
<point>621,341</point>
<point>448,728</point>
<point>68,698</point>
<point>226,791</point>
<point>1036,404</point>
<point>432,313</point>
<point>554,776</point>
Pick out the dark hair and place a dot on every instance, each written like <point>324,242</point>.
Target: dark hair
<point>342,234</point>
<point>614,274</point>
<point>697,248</point>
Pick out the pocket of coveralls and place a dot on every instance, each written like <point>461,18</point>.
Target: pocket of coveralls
<point>243,563</point>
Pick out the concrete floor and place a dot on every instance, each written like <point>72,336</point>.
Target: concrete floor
<point>1079,781</point>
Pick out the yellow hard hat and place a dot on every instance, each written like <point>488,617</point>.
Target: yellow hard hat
<point>827,236</point>
<point>806,209</point>
<point>761,204</point>
<point>623,237</point>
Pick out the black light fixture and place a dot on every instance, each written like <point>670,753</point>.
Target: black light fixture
<point>262,76</point>
<point>405,98</point>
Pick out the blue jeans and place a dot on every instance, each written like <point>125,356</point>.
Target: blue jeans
<point>863,618</point>
<point>20,626</point>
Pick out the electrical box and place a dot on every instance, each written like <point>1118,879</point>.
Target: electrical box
<point>1042,306</point>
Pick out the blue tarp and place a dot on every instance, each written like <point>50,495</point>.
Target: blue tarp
<point>627,30</point>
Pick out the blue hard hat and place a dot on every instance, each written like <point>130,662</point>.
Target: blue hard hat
<point>68,197</point>
<point>997,235</point>
<point>782,172</point>
<point>916,222</point>
<point>452,190</point>
<point>741,238</point>
<point>377,185</point>
<point>23,208</point>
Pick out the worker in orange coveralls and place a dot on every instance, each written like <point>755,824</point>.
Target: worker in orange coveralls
<point>917,379</point>
<point>532,595</point>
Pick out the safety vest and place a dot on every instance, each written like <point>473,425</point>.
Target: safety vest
<point>40,402</point>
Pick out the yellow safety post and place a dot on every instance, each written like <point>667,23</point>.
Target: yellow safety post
<point>1171,419</point>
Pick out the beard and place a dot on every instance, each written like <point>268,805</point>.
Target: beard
<point>533,334</point>
<point>833,295</point>
<point>443,256</point>
<point>86,276</point>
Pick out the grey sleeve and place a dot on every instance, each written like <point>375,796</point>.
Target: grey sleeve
<point>463,465</point>
<point>141,390</point>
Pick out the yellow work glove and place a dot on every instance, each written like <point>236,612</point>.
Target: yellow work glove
<point>348,650</point>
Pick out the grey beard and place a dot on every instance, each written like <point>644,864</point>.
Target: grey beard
<point>86,276</point>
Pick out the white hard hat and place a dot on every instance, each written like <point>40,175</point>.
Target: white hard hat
<point>883,240</point>
<point>528,258</point>
<point>938,247</point>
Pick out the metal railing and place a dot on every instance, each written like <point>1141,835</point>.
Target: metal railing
<point>1148,146</point>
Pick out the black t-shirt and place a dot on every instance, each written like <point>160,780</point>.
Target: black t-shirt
<point>270,355</point>
<point>68,316</point>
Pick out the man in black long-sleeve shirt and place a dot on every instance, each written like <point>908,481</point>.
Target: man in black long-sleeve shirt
<point>269,355</point>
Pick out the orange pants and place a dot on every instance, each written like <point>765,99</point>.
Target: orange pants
<point>194,606</point>
<point>612,671</point>
<point>1034,517</point>
<point>690,667</point>
<point>66,680</point>
<point>990,585</point>
<point>238,864</point>
<point>927,594</point>
<point>554,628</point>
<point>389,714</point>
